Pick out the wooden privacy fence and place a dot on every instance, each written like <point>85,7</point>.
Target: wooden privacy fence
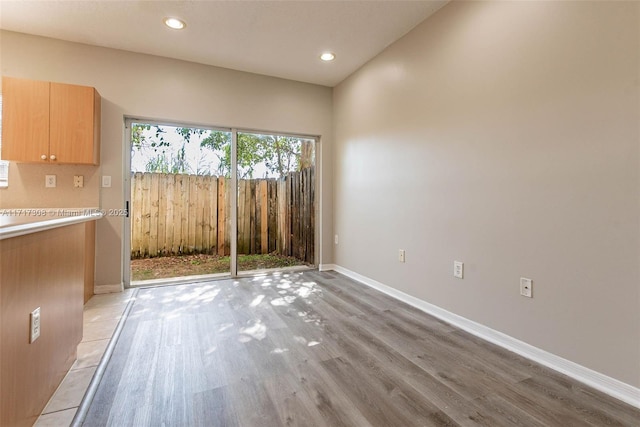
<point>188,214</point>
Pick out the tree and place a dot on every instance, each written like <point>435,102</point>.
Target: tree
<point>268,154</point>
<point>140,137</point>
<point>145,139</point>
<point>175,164</point>
<point>279,154</point>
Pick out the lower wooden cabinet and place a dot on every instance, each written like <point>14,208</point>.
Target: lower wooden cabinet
<point>46,269</point>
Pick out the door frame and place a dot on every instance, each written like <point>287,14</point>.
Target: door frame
<point>233,267</point>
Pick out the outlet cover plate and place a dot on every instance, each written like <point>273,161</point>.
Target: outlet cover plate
<point>34,325</point>
<point>50,181</point>
<point>78,181</point>
<point>526,287</point>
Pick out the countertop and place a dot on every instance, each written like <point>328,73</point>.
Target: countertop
<point>18,222</point>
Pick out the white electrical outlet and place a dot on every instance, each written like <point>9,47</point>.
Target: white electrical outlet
<point>526,287</point>
<point>106,181</point>
<point>458,269</point>
<point>50,181</point>
<point>401,254</point>
<point>78,181</point>
<point>35,325</point>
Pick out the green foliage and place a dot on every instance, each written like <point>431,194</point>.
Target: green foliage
<point>138,138</point>
<point>278,154</point>
<point>175,164</point>
<point>161,162</point>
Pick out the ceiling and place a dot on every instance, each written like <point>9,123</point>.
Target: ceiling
<point>274,38</point>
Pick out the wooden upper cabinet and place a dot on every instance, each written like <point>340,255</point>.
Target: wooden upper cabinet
<point>50,122</point>
<point>25,120</point>
<point>75,123</point>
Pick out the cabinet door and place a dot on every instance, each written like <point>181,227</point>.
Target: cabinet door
<point>25,120</point>
<point>73,121</point>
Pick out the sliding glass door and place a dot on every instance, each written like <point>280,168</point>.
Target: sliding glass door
<point>216,202</point>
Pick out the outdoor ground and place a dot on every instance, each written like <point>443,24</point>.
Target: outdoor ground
<point>192,265</point>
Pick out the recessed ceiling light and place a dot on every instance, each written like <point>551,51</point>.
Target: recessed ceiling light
<point>328,56</point>
<point>175,23</point>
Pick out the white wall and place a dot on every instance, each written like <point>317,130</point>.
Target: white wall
<point>152,87</point>
<point>505,135</point>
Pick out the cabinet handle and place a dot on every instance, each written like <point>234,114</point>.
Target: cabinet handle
<point>43,157</point>
<point>53,157</point>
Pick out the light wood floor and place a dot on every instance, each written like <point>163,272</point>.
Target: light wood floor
<point>317,349</point>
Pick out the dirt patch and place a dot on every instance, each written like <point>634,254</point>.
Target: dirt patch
<point>192,265</point>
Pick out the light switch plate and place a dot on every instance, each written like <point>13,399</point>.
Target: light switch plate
<point>106,181</point>
<point>458,269</point>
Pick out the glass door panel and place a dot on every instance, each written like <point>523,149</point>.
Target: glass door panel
<point>180,210</point>
<point>275,202</point>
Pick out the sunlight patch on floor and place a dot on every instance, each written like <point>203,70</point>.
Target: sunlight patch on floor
<point>257,331</point>
<point>257,300</point>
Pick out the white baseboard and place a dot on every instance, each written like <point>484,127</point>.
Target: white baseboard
<point>615,388</point>
<point>108,289</point>
<point>327,267</point>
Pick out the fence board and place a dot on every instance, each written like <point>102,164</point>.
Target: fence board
<point>136,216</point>
<point>312,217</point>
<point>191,217</point>
<point>162,214</point>
<point>264,216</point>
<point>273,213</point>
<point>242,194</point>
<point>205,187</point>
<point>213,219</point>
<point>180,214</point>
<point>288,219</point>
<point>252,216</point>
<point>168,202</point>
<point>227,223</point>
<point>281,203</point>
<point>221,215</point>
<point>245,218</point>
<point>146,208</point>
<point>154,203</point>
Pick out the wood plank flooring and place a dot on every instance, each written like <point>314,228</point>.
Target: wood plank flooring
<point>318,349</point>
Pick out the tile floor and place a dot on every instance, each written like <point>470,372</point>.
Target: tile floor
<point>101,316</point>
